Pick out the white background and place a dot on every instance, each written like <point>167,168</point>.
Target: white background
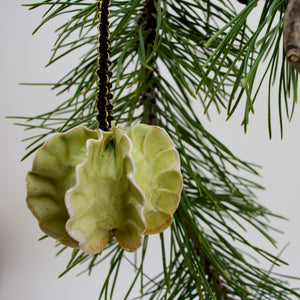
<point>28,268</point>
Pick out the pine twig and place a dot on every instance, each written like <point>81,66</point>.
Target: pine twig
<point>148,24</point>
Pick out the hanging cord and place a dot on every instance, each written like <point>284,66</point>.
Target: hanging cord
<point>103,95</point>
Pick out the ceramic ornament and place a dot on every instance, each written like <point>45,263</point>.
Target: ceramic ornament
<point>88,185</point>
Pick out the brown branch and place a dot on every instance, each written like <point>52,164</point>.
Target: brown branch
<point>209,271</point>
<point>149,94</point>
<point>149,97</point>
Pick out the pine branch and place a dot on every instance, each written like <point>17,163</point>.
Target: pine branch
<point>162,63</point>
<point>148,25</point>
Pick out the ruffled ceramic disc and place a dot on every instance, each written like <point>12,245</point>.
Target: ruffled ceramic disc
<point>53,173</point>
<point>106,199</point>
<point>157,174</point>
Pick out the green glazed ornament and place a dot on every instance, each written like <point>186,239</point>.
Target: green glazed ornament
<point>87,185</point>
